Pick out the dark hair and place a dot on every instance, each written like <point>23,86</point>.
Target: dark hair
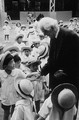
<point>7,59</point>
<point>39,17</point>
<point>16,58</point>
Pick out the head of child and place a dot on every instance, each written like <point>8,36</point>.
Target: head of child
<point>36,44</point>
<point>18,24</point>
<point>27,51</point>
<point>17,60</point>
<point>13,49</point>
<point>23,27</point>
<point>6,22</point>
<point>7,62</point>
<point>64,96</point>
<point>19,39</point>
<point>24,88</point>
<point>34,65</point>
<point>75,21</point>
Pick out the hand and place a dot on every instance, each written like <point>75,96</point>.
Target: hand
<point>33,76</point>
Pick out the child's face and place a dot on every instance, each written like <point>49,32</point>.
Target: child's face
<point>19,40</point>
<point>18,25</point>
<point>23,28</point>
<point>17,64</point>
<point>6,23</point>
<point>37,45</point>
<point>27,52</point>
<point>11,65</point>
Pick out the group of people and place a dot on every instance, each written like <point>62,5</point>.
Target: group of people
<point>72,24</point>
<point>42,65</point>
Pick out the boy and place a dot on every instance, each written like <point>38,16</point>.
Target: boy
<point>6,29</point>
<point>24,106</point>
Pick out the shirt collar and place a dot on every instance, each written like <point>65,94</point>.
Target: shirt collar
<point>12,73</point>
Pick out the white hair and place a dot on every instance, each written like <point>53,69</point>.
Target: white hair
<point>48,23</point>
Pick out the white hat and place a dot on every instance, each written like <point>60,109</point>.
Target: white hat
<point>12,48</point>
<point>18,36</point>
<point>44,52</point>
<point>24,87</point>
<point>26,48</point>
<point>64,96</point>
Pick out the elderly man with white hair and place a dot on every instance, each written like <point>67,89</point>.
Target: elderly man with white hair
<point>63,53</point>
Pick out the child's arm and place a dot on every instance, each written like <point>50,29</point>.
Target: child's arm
<point>33,76</point>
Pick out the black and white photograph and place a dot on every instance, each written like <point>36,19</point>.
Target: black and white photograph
<point>39,59</point>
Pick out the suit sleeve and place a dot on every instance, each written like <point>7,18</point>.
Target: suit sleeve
<point>45,69</point>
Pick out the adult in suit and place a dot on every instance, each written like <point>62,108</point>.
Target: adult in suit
<point>63,61</point>
<point>63,53</point>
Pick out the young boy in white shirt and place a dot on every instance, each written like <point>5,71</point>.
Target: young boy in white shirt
<point>6,30</point>
<point>24,107</point>
<point>61,104</point>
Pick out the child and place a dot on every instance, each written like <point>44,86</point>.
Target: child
<point>6,29</point>
<point>7,77</point>
<point>26,52</point>
<point>17,28</point>
<point>23,107</point>
<point>61,104</point>
<point>18,42</point>
<point>33,65</point>
<point>17,60</point>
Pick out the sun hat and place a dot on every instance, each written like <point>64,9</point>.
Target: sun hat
<point>71,20</point>
<point>75,18</point>
<point>24,87</point>
<point>64,96</point>
<point>19,36</point>
<point>23,26</point>
<point>61,21</point>
<point>33,62</point>
<point>26,48</point>
<point>12,48</point>
<point>6,21</point>
<point>6,58</point>
<point>44,52</point>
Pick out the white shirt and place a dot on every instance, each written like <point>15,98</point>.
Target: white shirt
<point>23,110</point>
<point>6,29</point>
<point>17,30</point>
<point>51,113</point>
<point>8,92</point>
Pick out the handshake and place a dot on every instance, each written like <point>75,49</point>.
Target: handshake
<point>33,76</point>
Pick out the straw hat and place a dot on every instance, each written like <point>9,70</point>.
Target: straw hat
<point>6,58</point>
<point>44,51</point>
<point>33,62</point>
<point>23,26</point>
<point>12,48</point>
<point>6,21</point>
<point>24,88</point>
<point>26,48</point>
<point>19,36</point>
<point>64,96</point>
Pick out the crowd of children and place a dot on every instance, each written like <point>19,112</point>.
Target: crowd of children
<point>22,61</point>
<point>22,88</point>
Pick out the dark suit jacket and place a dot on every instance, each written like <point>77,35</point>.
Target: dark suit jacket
<point>63,55</point>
